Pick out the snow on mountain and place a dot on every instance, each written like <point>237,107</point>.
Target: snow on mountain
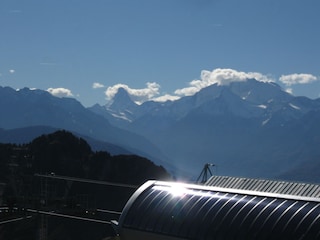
<point>119,111</point>
<point>247,98</point>
<point>122,106</point>
<point>249,128</point>
<point>264,101</point>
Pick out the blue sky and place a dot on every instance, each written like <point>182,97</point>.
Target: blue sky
<point>86,49</point>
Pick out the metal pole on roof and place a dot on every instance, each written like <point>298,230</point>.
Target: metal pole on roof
<point>204,175</point>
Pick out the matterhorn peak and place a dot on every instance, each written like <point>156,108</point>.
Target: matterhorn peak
<point>122,101</point>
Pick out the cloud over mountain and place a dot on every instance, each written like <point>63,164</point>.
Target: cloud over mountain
<point>219,76</point>
<point>60,92</point>
<point>137,95</point>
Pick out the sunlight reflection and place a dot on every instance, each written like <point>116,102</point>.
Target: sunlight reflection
<point>178,190</point>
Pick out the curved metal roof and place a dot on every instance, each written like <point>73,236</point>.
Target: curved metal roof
<point>185,211</point>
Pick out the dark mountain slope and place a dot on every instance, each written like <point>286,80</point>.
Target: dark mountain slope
<point>25,108</point>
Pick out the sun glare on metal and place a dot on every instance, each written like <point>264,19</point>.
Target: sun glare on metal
<point>176,190</point>
<point>179,190</point>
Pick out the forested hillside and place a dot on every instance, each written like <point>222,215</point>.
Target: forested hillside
<point>63,154</point>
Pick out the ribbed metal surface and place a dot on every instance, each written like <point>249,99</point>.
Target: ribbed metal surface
<point>207,213</point>
<point>270,186</point>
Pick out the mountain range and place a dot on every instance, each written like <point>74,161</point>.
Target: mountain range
<point>44,113</point>
<point>249,128</point>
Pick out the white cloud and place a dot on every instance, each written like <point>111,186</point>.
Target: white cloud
<point>137,95</point>
<point>97,85</point>
<point>296,78</point>
<point>12,71</point>
<point>220,76</point>
<point>165,98</point>
<point>60,92</point>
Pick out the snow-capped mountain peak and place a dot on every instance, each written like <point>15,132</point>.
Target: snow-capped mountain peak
<point>121,101</point>
<point>248,99</point>
<point>122,106</point>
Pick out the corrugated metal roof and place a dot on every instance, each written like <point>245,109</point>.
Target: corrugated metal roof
<point>263,185</point>
<point>171,210</point>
